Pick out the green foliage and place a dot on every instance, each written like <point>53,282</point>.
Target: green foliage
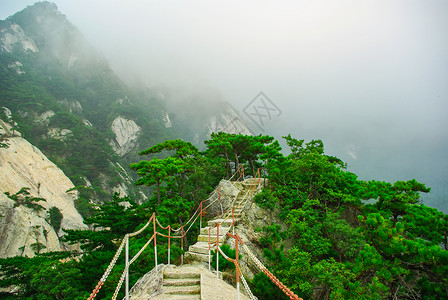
<point>265,199</point>
<point>236,149</point>
<point>330,243</point>
<point>55,218</point>
<point>23,197</point>
<point>265,289</point>
<point>224,264</point>
<point>340,247</point>
<point>156,171</point>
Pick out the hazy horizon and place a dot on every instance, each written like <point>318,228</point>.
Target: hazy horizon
<point>369,78</point>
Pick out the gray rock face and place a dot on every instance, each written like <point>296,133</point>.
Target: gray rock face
<point>166,120</point>
<point>228,121</point>
<point>23,165</point>
<point>221,199</point>
<point>13,37</point>
<point>126,135</point>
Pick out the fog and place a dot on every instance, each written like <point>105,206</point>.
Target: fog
<point>369,78</point>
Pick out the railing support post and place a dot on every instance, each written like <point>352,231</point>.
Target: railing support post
<point>155,238</point>
<point>209,254</point>
<point>182,245</point>
<point>126,262</point>
<point>217,250</point>
<point>237,269</point>
<point>233,221</point>
<point>219,196</point>
<point>200,220</point>
<point>169,244</point>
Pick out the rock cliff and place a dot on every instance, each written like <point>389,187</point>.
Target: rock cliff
<point>126,135</point>
<point>24,230</point>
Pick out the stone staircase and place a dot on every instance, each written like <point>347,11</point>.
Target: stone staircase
<point>181,283</point>
<point>199,251</point>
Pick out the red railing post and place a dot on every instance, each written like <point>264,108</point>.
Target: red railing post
<point>169,244</point>
<point>155,238</point>
<point>217,250</point>
<point>219,196</point>
<point>209,257</point>
<point>237,269</point>
<point>200,220</point>
<point>182,244</point>
<point>233,220</point>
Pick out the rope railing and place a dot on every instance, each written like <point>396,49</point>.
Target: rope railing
<point>125,241</point>
<point>274,279</point>
<point>180,233</point>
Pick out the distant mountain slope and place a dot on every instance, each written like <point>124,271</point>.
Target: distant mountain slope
<point>70,104</point>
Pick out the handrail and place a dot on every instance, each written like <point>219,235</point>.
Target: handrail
<point>254,186</point>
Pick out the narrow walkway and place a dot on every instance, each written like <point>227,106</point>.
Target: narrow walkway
<point>199,251</point>
<point>194,282</point>
<point>181,283</point>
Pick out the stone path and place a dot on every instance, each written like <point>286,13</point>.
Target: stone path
<point>194,282</point>
<point>199,251</point>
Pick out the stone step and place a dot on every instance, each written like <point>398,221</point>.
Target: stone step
<point>172,274</point>
<point>183,290</point>
<point>226,223</point>
<point>181,282</point>
<point>213,238</point>
<point>199,247</point>
<point>213,231</point>
<point>197,256</point>
<point>176,297</point>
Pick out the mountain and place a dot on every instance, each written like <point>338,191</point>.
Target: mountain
<point>27,216</point>
<point>68,102</point>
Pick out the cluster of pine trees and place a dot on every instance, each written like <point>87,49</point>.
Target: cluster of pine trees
<point>345,238</point>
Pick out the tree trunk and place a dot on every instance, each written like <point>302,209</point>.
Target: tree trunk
<point>237,162</point>
<point>445,240</point>
<point>253,167</point>
<point>158,192</point>
<point>230,165</point>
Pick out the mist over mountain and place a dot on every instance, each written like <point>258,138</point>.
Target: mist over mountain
<point>377,101</point>
<point>312,130</point>
<point>67,101</point>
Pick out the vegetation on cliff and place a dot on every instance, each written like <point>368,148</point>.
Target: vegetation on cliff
<point>345,238</point>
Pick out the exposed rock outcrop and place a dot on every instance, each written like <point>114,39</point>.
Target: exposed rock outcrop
<point>23,165</point>
<point>166,120</point>
<point>126,135</point>
<point>71,106</point>
<point>13,38</point>
<point>228,121</point>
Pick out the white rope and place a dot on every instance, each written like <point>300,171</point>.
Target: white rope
<point>258,263</point>
<point>123,275</point>
<point>113,262</point>
<point>141,250</point>
<point>141,230</point>
<point>246,286</point>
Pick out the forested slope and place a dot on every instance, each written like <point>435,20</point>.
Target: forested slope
<point>341,237</point>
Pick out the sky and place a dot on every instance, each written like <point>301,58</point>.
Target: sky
<point>369,78</point>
